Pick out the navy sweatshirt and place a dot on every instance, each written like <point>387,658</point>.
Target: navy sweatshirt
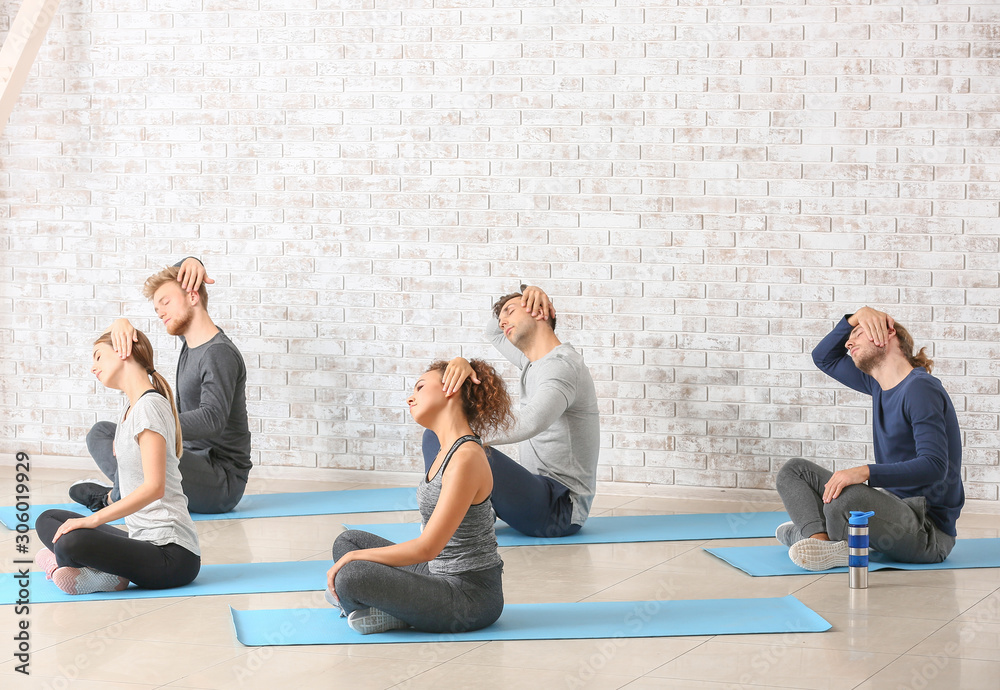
<point>918,445</point>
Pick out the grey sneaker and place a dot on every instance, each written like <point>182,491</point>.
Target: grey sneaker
<point>371,620</point>
<point>331,600</point>
<point>787,534</point>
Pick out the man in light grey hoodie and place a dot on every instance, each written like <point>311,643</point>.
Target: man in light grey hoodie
<point>548,493</point>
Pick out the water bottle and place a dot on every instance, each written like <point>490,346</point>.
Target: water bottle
<point>857,548</point>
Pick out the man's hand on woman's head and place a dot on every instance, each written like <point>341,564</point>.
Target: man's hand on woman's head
<point>123,334</point>
<point>455,374</point>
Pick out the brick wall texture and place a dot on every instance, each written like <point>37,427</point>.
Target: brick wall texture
<point>703,187</point>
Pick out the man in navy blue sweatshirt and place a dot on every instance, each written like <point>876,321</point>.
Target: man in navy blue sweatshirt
<point>915,485</point>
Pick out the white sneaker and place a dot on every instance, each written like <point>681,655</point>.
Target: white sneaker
<point>371,620</point>
<point>87,580</point>
<point>787,534</point>
<point>817,554</point>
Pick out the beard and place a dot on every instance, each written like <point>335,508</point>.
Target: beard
<point>521,338</point>
<point>869,361</point>
<point>179,323</point>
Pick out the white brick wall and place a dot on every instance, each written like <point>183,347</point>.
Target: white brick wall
<point>703,189</point>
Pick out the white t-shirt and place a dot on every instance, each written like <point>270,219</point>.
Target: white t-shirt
<point>165,521</point>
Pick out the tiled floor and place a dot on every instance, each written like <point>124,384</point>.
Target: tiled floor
<point>921,630</point>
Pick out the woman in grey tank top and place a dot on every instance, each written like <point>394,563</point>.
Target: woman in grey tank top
<point>449,578</point>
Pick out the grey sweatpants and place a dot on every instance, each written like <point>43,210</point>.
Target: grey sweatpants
<point>900,528</point>
<point>208,486</point>
<point>428,602</point>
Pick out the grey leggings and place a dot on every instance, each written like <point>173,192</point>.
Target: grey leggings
<point>428,602</point>
<point>209,487</point>
<point>900,528</point>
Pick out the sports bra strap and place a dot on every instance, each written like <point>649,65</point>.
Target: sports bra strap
<point>454,447</point>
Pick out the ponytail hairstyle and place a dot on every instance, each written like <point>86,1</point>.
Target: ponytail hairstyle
<point>905,341</point>
<point>142,354</point>
<point>487,405</point>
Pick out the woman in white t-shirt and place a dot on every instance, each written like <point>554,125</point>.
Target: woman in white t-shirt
<point>161,549</point>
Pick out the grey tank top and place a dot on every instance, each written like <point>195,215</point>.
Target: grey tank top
<point>474,544</point>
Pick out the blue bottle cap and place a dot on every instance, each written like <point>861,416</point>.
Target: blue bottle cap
<point>860,518</point>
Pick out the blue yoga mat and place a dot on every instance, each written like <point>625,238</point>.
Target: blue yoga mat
<point>571,621</point>
<point>622,529</point>
<point>761,561</point>
<point>230,578</point>
<point>272,505</point>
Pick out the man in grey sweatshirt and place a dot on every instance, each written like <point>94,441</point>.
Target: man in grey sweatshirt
<point>211,398</point>
<point>548,493</point>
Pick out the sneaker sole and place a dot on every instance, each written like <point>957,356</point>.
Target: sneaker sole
<point>88,481</point>
<point>816,554</point>
<point>375,621</point>
<point>87,581</point>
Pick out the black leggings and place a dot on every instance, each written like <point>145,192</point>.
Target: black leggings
<point>111,551</point>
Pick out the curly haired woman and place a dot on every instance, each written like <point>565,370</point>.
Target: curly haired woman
<point>449,578</point>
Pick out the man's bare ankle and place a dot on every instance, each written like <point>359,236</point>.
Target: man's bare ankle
<point>822,536</point>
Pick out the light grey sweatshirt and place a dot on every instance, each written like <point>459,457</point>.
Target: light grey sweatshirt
<point>557,427</point>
